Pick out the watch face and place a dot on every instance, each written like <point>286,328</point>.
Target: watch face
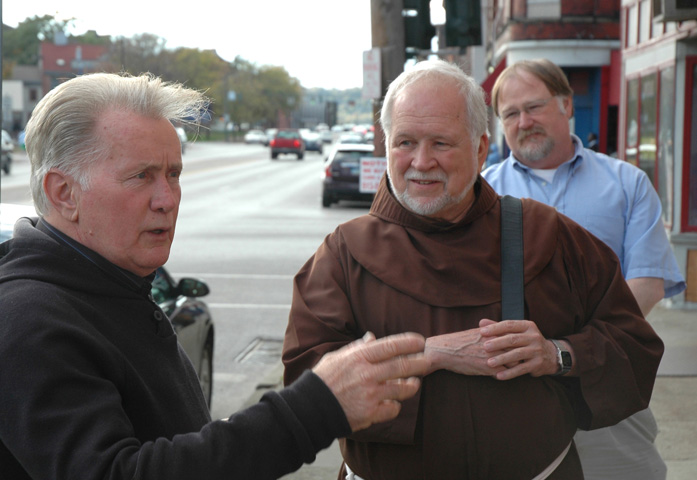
<point>565,360</point>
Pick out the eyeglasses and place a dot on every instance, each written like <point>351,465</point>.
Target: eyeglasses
<point>533,109</point>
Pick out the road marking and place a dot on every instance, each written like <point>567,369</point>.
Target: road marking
<point>254,276</point>
<point>249,306</point>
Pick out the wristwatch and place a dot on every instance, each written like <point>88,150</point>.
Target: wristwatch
<point>563,358</point>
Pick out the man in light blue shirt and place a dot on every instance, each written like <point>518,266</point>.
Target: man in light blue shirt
<point>612,199</point>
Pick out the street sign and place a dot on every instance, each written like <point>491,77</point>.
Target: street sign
<point>372,170</point>
<point>372,80</point>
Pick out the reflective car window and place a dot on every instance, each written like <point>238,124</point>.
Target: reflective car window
<point>283,134</point>
<point>161,289</point>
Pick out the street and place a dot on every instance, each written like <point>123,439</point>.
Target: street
<point>246,226</point>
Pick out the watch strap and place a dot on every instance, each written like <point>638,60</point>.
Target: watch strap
<point>563,358</point>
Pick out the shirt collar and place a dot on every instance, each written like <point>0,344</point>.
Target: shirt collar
<point>573,163</point>
<point>143,284</point>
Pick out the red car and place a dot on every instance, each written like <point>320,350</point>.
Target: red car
<point>287,141</point>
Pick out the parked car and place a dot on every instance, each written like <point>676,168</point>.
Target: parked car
<point>6,155</point>
<point>327,136</point>
<point>270,133</point>
<point>255,136</point>
<point>287,141</point>
<point>351,137</point>
<point>183,138</point>
<point>313,142</point>
<point>192,321</point>
<point>342,173</point>
<point>190,317</point>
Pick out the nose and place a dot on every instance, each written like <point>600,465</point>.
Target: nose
<point>524,120</point>
<point>166,196</point>
<point>423,159</point>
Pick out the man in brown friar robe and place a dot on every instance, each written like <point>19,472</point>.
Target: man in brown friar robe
<point>502,399</point>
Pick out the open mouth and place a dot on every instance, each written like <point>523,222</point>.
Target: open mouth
<point>425,182</point>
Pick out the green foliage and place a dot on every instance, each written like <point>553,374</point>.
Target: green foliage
<point>261,93</point>
<point>20,45</point>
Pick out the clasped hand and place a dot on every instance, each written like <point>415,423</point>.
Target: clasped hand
<point>504,350</point>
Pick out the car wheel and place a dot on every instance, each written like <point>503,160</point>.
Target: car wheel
<point>300,156</point>
<point>274,155</point>
<point>205,374</point>
<point>326,201</point>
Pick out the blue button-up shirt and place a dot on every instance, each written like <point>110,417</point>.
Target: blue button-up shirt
<point>612,199</point>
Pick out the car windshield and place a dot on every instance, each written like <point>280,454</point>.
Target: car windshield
<point>287,134</point>
<point>354,157</point>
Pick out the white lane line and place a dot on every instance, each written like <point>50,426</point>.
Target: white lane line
<point>249,306</point>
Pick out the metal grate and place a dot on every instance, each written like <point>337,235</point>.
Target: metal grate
<point>263,351</point>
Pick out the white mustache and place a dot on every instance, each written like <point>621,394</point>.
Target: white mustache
<point>425,176</point>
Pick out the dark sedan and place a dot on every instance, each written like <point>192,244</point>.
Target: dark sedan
<point>342,171</point>
<point>180,300</point>
<point>313,142</point>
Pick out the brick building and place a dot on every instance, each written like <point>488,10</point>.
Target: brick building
<point>62,60</point>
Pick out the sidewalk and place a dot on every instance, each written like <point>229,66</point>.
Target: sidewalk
<point>674,400</point>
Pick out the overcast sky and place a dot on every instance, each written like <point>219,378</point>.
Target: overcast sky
<point>320,42</point>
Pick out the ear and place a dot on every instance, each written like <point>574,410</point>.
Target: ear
<point>62,193</point>
<point>568,104</point>
<point>483,150</point>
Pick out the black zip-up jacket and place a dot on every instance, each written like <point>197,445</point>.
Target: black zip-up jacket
<point>94,385</point>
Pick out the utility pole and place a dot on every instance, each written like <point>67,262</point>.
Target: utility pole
<point>1,70</point>
<point>387,31</point>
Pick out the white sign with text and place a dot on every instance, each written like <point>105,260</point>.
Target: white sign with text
<point>372,169</point>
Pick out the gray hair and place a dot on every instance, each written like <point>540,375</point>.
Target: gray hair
<point>472,94</point>
<point>61,132</point>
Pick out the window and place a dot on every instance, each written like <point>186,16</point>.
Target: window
<point>632,123</point>
<point>647,125</point>
<point>645,20</point>
<point>666,147</point>
<point>649,131</point>
<point>544,8</point>
<point>632,25</point>
<point>690,159</point>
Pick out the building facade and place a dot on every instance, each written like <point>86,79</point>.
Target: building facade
<point>657,126</point>
<point>20,94</point>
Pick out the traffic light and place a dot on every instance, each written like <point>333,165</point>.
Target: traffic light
<point>463,23</point>
<point>418,31</point>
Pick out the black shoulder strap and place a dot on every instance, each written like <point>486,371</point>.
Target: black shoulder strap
<point>512,297</point>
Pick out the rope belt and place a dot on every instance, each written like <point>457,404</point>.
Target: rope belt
<point>545,473</point>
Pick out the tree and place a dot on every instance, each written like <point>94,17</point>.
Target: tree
<point>20,45</point>
<point>140,54</point>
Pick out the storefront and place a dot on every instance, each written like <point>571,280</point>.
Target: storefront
<point>658,120</point>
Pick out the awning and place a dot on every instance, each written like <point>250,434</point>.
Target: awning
<point>488,84</point>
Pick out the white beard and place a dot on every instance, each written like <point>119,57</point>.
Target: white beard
<point>430,207</point>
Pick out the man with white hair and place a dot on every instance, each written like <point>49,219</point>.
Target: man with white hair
<point>94,384</point>
<point>503,397</point>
